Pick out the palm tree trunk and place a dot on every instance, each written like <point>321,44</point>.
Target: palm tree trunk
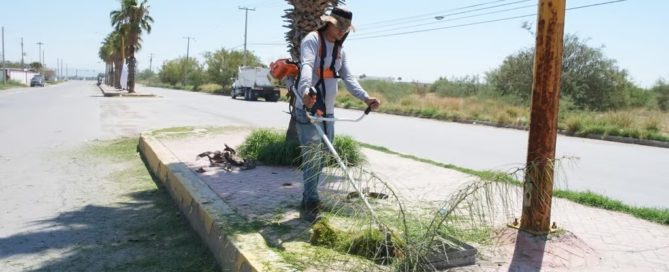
<point>117,73</point>
<point>110,74</point>
<point>132,62</point>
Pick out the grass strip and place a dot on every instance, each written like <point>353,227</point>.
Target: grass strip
<point>587,198</point>
<point>10,84</point>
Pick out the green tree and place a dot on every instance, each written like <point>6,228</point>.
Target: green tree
<point>514,76</point>
<point>131,20</point>
<point>661,91</point>
<point>108,54</point>
<point>111,52</point>
<point>589,79</point>
<point>36,66</point>
<point>222,65</point>
<point>172,72</point>
<point>9,64</point>
<point>146,75</point>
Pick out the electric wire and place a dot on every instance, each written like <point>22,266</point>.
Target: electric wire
<point>446,15</point>
<point>441,21</point>
<point>429,14</point>
<point>476,23</point>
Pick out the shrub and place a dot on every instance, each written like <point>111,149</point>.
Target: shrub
<point>457,87</point>
<point>210,88</point>
<point>652,124</point>
<point>661,90</point>
<point>589,78</point>
<point>270,147</point>
<point>323,234</point>
<point>573,124</point>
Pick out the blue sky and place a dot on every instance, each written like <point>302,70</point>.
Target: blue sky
<point>633,32</point>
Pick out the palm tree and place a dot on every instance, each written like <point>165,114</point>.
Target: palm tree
<point>130,21</point>
<point>302,18</point>
<point>107,53</point>
<point>111,52</point>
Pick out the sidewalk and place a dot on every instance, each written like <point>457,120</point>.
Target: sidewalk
<point>109,91</point>
<point>595,239</point>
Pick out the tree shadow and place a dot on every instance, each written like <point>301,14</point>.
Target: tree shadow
<point>528,254</point>
<point>144,233</point>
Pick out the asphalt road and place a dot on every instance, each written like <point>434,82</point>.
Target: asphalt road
<point>36,120</point>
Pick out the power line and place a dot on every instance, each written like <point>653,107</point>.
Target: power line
<point>430,14</point>
<point>476,23</point>
<point>441,21</point>
<point>441,14</point>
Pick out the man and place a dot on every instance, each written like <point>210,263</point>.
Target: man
<point>322,61</point>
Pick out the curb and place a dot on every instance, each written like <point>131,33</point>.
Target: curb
<point>209,216</point>
<point>120,94</point>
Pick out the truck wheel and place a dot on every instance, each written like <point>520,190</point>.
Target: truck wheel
<point>253,95</point>
<point>272,98</point>
<point>246,94</point>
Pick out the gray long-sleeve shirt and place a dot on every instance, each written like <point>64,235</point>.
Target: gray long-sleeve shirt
<point>309,72</point>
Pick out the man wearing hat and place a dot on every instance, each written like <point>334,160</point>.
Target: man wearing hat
<point>322,61</point>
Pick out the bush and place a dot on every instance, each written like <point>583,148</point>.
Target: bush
<point>324,235</point>
<point>271,148</point>
<point>392,91</point>
<point>10,84</point>
<point>661,91</point>
<point>373,245</point>
<point>589,79</point>
<point>457,87</point>
<point>573,124</point>
<point>210,88</point>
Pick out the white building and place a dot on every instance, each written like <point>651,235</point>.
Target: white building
<point>21,75</point>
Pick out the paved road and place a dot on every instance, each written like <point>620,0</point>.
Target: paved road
<point>38,124</point>
<point>37,120</point>
<point>634,174</point>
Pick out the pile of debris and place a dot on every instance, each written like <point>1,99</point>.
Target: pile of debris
<point>226,159</point>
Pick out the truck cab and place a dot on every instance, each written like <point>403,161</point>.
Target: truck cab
<point>254,82</point>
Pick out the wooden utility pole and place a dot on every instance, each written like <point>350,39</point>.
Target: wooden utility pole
<point>4,72</point>
<point>186,62</point>
<point>538,185</point>
<point>246,23</point>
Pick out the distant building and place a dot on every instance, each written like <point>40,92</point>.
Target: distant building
<point>380,78</point>
<point>20,75</point>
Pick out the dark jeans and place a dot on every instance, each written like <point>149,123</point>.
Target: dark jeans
<point>312,162</point>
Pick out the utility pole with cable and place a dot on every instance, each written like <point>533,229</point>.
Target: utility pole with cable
<point>39,53</point>
<point>151,61</point>
<point>186,62</point>
<point>246,21</point>
<point>3,56</point>
<point>538,184</point>
<point>22,55</point>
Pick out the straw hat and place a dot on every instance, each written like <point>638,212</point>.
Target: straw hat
<point>340,17</point>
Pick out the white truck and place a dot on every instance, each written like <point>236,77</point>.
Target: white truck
<point>254,82</point>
